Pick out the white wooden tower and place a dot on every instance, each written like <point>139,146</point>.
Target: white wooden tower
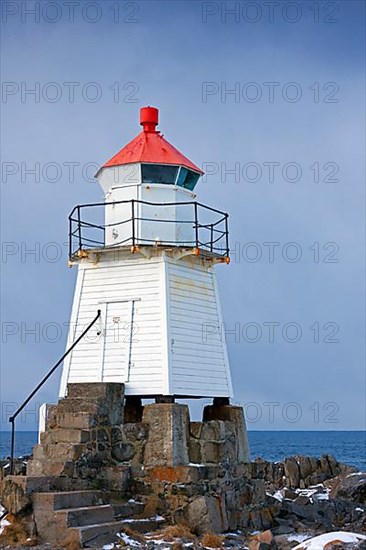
<point>146,259</point>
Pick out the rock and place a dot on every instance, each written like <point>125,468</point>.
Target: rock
<point>258,491</point>
<point>305,466</point>
<point>211,452</point>
<point>234,415</point>
<point>352,487</point>
<point>292,472</point>
<point>283,543</point>
<point>325,466</point>
<point>334,466</point>
<point>302,500</point>
<point>19,466</point>
<point>16,493</point>
<point>265,536</point>
<point>283,530</point>
<point>205,515</point>
<point>122,452</point>
<point>288,493</point>
<point>307,512</point>
<point>263,541</point>
<point>255,519</point>
<point>195,454</point>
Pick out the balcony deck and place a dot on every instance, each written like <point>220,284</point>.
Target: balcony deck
<point>134,225</point>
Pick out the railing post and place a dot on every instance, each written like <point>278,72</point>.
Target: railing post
<point>70,237</point>
<point>12,421</point>
<point>79,224</point>
<point>211,243</point>
<point>133,223</point>
<point>196,222</point>
<point>227,235</point>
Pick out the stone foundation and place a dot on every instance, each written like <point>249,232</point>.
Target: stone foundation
<point>194,473</point>
<point>83,437</point>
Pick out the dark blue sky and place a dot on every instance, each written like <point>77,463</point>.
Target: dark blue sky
<point>185,57</point>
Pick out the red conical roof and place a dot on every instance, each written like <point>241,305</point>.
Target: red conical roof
<point>150,146</point>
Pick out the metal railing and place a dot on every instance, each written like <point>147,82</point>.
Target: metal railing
<point>43,381</point>
<point>138,223</point>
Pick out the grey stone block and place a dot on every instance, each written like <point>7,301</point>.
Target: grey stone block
<point>167,442</point>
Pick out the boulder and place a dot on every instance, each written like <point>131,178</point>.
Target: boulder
<point>263,541</point>
<point>352,487</point>
<point>207,514</point>
<point>305,466</point>
<point>292,472</point>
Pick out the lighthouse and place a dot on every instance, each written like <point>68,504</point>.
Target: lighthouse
<point>146,259</point>
<point>145,331</point>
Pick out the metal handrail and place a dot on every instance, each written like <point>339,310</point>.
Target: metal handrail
<point>201,205</point>
<point>79,238</point>
<point>32,394</point>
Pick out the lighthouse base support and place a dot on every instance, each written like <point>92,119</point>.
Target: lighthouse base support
<point>100,453</point>
<point>168,435</point>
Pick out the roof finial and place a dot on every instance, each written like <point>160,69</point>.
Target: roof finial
<point>149,118</point>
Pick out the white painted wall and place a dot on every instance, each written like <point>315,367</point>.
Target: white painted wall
<point>113,176</point>
<point>153,223</point>
<point>111,285</point>
<point>198,355</point>
<point>163,351</point>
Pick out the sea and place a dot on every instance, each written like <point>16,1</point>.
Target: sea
<point>348,447</point>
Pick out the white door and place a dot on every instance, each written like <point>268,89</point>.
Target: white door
<point>116,341</point>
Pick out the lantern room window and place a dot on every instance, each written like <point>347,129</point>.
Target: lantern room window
<point>159,173</point>
<point>169,174</point>
<point>187,178</point>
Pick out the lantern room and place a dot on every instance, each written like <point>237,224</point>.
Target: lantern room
<point>148,159</point>
<point>149,200</point>
<point>149,170</point>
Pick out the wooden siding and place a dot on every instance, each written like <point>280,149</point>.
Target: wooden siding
<point>199,364</point>
<point>113,287</point>
<point>165,350</point>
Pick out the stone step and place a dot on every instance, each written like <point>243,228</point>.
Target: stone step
<point>128,509</point>
<point>59,451</point>
<point>86,515</point>
<point>95,536</point>
<point>103,413</point>
<point>65,435</point>
<point>68,499</point>
<point>80,420</point>
<point>144,525</point>
<point>72,405</point>
<point>96,390</point>
<point>48,468</point>
<point>29,485</point>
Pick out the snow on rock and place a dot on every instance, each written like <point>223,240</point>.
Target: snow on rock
<point>132,543</point>
<point>319,492</point>
<point>320,542</point>
<point>133,501</point>
<point>139,520</point>
<point>298,537</point>
<point>4,522</point>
